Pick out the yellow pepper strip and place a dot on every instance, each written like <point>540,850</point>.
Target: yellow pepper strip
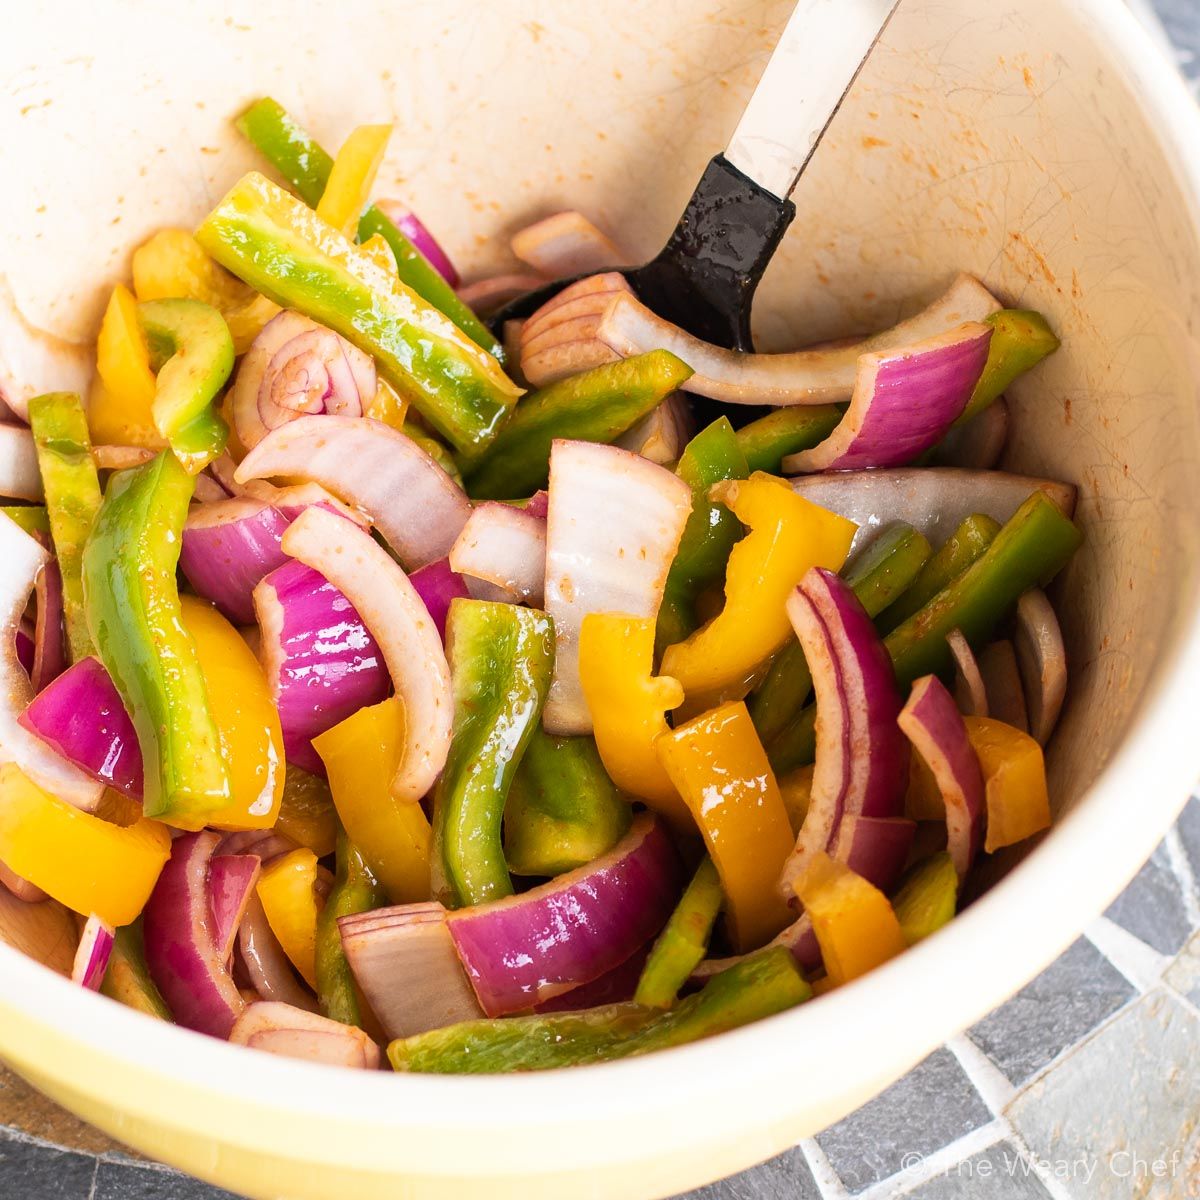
<point>120,408</point>
<point>628,706</point>
<point>854,923</point>
<point>788,536</point>
<point>379,250</point>
<point>85,863</point>
<point>306,814</point>
<point>361,755</point>
<point>721,770</point>
<point>245,715</point>
<point>287,888</point>
<point>923,800</point>
<point>796,789</point>
<point>388,406</point>
<point>352,177</point>
<point>1014,773</point>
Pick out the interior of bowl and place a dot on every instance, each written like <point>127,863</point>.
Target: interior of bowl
<point>999,139</point>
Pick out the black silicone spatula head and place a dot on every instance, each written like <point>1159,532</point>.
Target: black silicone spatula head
<point>705,276</point>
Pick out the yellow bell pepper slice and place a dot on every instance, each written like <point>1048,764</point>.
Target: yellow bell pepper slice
<point>923,800</point>
<point>796,789</point>
<point>352,177</point>
<point>788,536</point>
<point>82,861</point>
<point>854,923</point>
<point>376,246</point>
<point>388,406</point>
<point>121,403</point>
<point>287,888</point>
<point>245,715</point>
<point>361,755</point>
<point>628,704</point>
<point>306,814</point>
<point>1014,774</point>
<point>720,769</point>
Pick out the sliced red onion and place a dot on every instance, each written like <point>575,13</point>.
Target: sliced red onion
<point>978,444</point>
<point>120,458</point>
<point>82,717</point>
<point>438,585</point>
<point>935,728</point>
<point>181,952</point>
<point>414,229</point>
<point>876,848</point>
<point>821,376</point>
<point>969,690</point>
<point>861,767</point>
<point>281,1029</point>
<point>560,338</point>
<point>934,500</point>
<point>264,844</point>
<point>49,641</point>
<point>903,404</point>
<point>405,962</point>
<point>25,645</point>
<point>295,366</point>
<point>21,558</point>
<point>410,499</point>
<point>614,525</point>
<point>616,987</point>
<point>487,295</point>
<point>295,495</point>
<point>526,949</point>
<point>20,478</point>
<point>93,953</point>
<point>662,434</point>
<point>395,615</point>
<point>1042,658</point>
<point>506,547</point>
<point>231,880</point>
<point>566,244</point>
<point>322,662</point>
<point>267,966</point>
<point>538,505</point>
<point>20,887</point>
<point>1002,682</point>
<point>208,490</point>
<point>798,937</point>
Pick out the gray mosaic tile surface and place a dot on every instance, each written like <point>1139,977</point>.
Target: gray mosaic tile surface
<point>1184,973</point>
<point>1063,1004</point>
<point>1189,834</point>
<point>1001,1172</point>
<point>1153,907</point>
<point>784,1178</point>
<point>929,1108</point>
<point>121,1181</point>
<point>28,1169</point>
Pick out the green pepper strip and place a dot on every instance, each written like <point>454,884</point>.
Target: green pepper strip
<point>127,979</point>
<point>710,534</point>
<point>927,898</point>
<point>769,440</point>
<point>957,553</point>
<point>30,517</point>
<point>881,573</point>
<point>72,486</point>
<point>681,946</point>
<point>562,809</point>
<point>760,986</point>
<point>270,240</point>
<point>1029,550</point>
<point>439,453</point>
<point>595,406</point>
<point>302,162</point>
<point>192,352</point>
<point>1022,339</point>
<point>133,614</point>
<point>355,890</point>
<point>501,658</point>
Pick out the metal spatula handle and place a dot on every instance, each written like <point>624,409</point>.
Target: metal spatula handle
<point>818,57</point>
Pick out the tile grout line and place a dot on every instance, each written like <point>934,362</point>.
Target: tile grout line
<point>1177,859</point>
<point>829,1182</point>
<point>994,1087</point>
<point>1054,1186</point>
<point>939,1161</point>
<point>1141,964</point>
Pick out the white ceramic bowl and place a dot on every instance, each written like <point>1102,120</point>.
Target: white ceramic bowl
<point>1042,144</point>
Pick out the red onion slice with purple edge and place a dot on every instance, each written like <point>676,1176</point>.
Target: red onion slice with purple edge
<point>92,954</point>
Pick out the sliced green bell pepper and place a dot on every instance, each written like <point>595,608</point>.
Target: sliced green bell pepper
<point>306,166</point>
<point>1034,545</point>
<point>135,619</point>
<point>769,440</point>
<point>501,658</point>
<point>281,248</point>
<point>1021,340</point>
<point>710,534</point>
<point>760,986</point>
<point>881,573</point>
<point>956,554</point>
<point>72,487</point>
<point>927,898</point>
<point>562,809</point>
<point>434,449</point>
<point>127,979</point>
<point>30,517</point>
<point>681,946</point>
<point>595,406</point>
<point>355,890</point>
<point>192,352</point>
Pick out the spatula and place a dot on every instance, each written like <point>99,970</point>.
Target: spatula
<point>705,276</point>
